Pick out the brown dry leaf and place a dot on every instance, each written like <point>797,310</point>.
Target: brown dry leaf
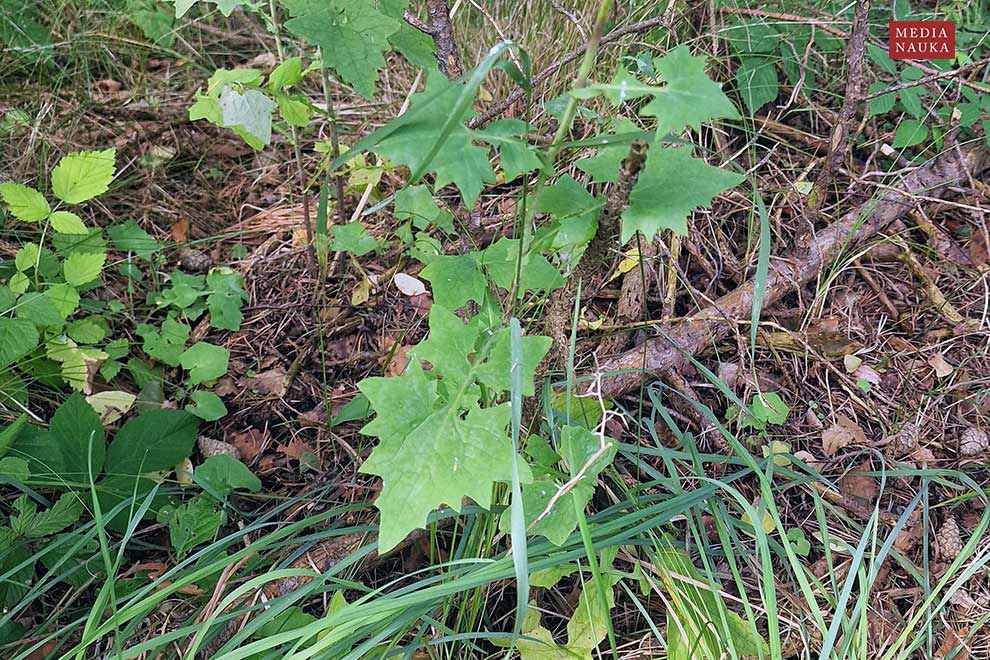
<point>422,303</point>
<point>271,382</point>
<point>859,485</point>
<point>977,249</point>
<point>180,231</point>
<point>843,433</point>
<point>106,90</point>
<point>297,449</point>
<point>954,647</point>
<point>867,373</point>
<point>942,368</point>
<point>910,533</point>
<point>250,443</point>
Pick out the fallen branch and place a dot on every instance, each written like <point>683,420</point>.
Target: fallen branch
<point>812,253</point>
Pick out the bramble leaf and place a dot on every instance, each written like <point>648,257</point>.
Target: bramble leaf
<point>83,175</point>
<point>82,268</point>
<point>672,184</point>
<point>18,337</point>
<point>24,203</point>
<point>66,222</point>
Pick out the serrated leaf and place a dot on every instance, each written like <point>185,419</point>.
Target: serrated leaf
<point>74,432</point>
<point>226,7</point>
<point>353,237</point>
<point>409,139</point>
<point>204,362</point>
<point>24,203</point>
<point>688,99</point>
<point>455,280</point>
<point>82,268</point>
<point>89,330</point>
<point>756,79</point>
<point>27,257</point>
<point>672,184</point>
<point>495,371</point>
<point>429,454</point>
<point>353,35</point>
<point>66,222</point>
<point>509,137</point>
<point>575,211</point>
<point>84,175</point>
<point>66,511</point>
<point>111,405</point>
<point>18,337</point>
<point>416,203</point>
<point>193,523</point>
<point>500,260</point>
<point>154,440</point>
<point>604,165</point>
<point>41,311</point>
<point>63,298</point>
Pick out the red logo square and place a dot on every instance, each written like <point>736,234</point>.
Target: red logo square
<point>922,40</point>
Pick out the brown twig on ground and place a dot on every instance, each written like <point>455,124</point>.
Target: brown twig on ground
<point>813,252</point>
<point>608,39</point>
<point>789,18</point>
<point>839,143</point>
<point>930,78</point>
<point>442,32</point>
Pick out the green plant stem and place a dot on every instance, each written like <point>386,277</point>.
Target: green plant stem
<point>566,121</point>
<point>297,151</point>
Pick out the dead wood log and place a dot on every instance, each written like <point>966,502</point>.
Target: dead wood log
<point>812,252</point>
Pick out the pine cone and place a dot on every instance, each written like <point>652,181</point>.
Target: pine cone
<point>973,442</point>
<point>209,447</point>
<point>948,540</point>
<point>904,441</point>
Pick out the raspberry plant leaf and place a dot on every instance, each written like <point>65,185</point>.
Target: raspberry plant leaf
<point>672,184</point>
<point>83,175</point>
<point>353,35</point>
<point>24,203</point>
<point>437,444</point>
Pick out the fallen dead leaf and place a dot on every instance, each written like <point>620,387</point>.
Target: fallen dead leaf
<point>942,368</point>
<point>851,363</point>
<point>271,382</point>
<point>859,485</point>
<point>843,433</point>
<point>954,647</point>
<point>422,303</point>
<point>297,450</point>
<point>180,231</point>
<point>910,533</point>
<point>249,443</point>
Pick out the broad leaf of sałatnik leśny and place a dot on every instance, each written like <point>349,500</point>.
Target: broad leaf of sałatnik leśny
<point>437,444</point>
